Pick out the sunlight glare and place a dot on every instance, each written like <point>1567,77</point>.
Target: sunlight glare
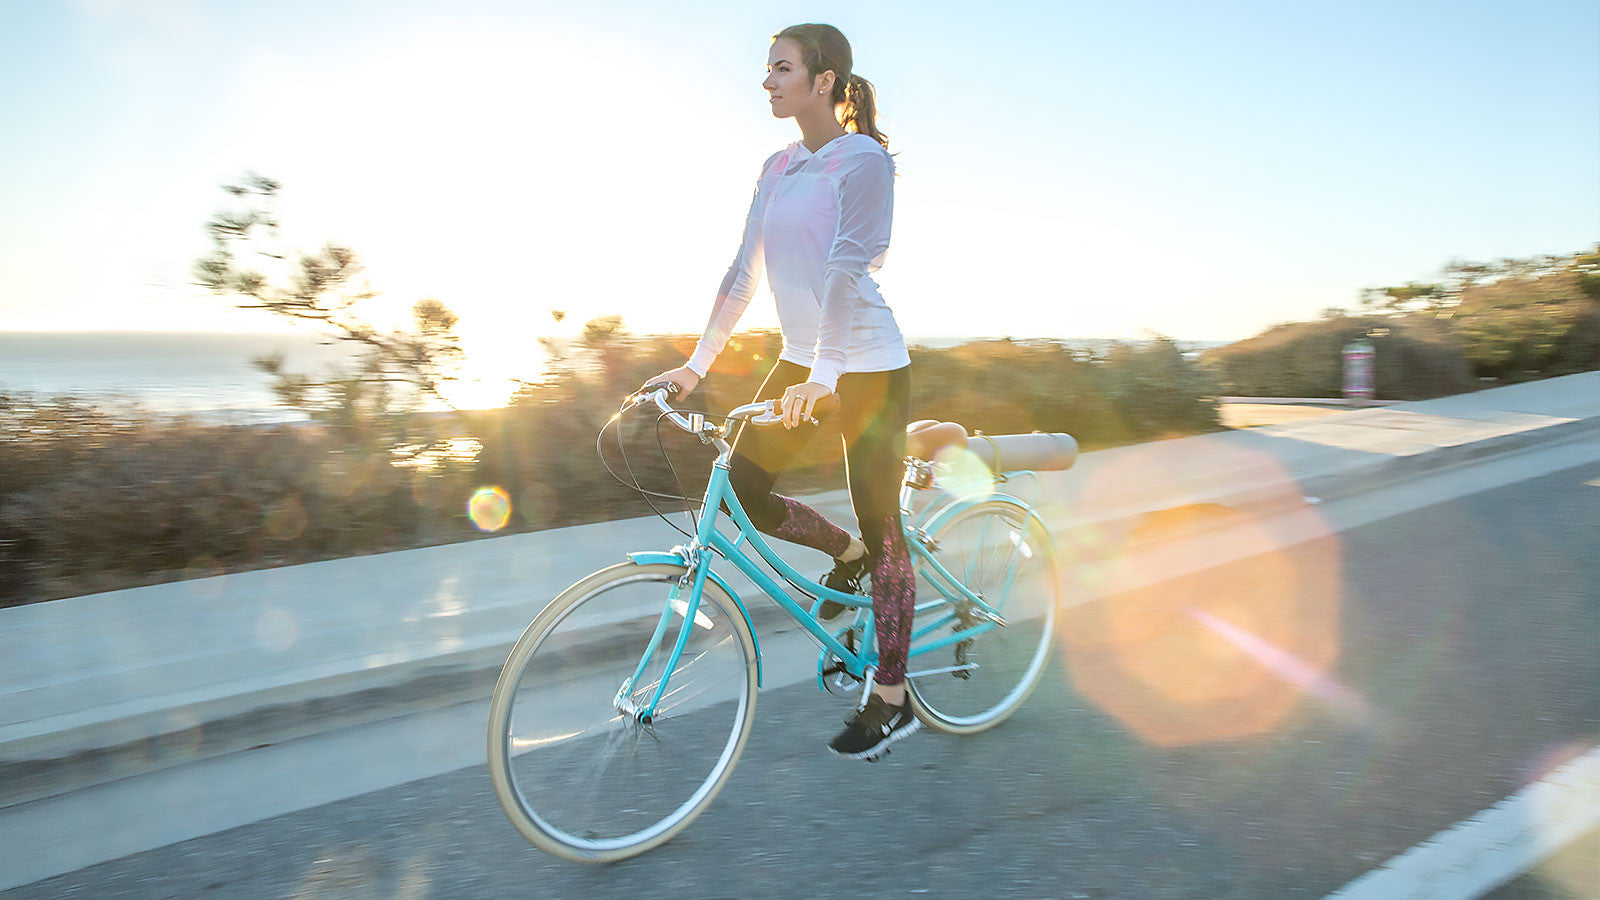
<point>682,609</point>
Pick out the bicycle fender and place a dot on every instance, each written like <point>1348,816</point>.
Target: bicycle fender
<point>652,557</point>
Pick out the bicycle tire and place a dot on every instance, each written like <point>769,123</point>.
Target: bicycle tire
<point>558,684</point>
<point>975,544</point>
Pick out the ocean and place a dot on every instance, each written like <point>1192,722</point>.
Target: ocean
<point>209,375</point>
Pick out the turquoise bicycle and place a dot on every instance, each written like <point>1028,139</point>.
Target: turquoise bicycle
<point>623,708</point>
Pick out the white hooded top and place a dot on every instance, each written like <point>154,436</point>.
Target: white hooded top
<point>818,225</point>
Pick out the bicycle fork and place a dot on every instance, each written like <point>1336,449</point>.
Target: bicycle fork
<point>691,617</point>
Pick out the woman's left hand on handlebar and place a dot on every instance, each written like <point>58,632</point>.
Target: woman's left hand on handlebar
<point>799,400</point>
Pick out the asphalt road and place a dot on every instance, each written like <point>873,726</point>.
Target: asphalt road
<point>1270,728</point>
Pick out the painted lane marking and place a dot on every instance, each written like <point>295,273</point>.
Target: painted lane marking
<point>1482,852</point>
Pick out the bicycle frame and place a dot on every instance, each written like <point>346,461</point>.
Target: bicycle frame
<point>709,540</point>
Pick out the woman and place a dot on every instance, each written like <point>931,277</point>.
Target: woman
<point>818,225</point>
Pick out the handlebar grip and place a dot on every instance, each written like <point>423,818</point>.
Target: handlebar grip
<point>771,410</point>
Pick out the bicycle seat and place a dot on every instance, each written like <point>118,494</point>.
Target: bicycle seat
<point>926,437</point>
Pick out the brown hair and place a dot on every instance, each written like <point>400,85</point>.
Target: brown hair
<point>823,47</point>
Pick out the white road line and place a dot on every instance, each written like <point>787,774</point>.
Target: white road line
<point>1480,853</point>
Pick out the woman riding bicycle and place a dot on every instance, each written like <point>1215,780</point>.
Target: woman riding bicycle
<point>818,225</point>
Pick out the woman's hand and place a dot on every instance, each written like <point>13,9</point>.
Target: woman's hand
<point>798,401</point>
<point>683,376</point>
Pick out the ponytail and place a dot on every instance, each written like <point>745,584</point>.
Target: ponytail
<point>860,110</point>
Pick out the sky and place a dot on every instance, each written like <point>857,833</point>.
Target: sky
<point>1201,170</point>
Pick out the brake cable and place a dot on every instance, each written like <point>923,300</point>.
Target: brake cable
<point>634,484</point>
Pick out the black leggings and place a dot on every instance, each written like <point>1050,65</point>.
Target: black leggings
<point>874,410</point>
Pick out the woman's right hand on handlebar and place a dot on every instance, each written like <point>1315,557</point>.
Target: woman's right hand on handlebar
<point>683,376</point>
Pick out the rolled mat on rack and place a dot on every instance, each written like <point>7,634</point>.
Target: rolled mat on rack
<point>1039,451</point>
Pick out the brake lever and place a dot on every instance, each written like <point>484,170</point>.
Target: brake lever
<point>642,394</point>
<point>770,417</point>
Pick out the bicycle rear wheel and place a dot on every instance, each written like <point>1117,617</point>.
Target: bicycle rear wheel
<point>577,775</point>
<point>998,549</point>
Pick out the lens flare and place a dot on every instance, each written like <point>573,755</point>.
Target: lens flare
<point>1207,626</point>
<point>276,629</point>
<point>963,474</point>
<point>536,505</point>
<point>203,576</point>
<point>183,736</point>
<point>287,519</point>
<point>489,509</point>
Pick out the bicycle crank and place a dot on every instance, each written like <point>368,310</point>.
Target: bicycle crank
<point>831,672</point>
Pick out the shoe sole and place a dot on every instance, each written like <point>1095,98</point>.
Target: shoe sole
<point>872,753</point>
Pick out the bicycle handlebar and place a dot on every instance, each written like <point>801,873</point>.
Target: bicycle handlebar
<point>759,413</point>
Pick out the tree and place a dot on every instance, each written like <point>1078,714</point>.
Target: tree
<point>1409,297</point>
<point>1541,318</point>
<point>1515,317</point>
<point>1438,298</point>
<point>370,400</point>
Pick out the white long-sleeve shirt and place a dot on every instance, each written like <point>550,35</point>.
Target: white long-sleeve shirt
<point>818,226</point>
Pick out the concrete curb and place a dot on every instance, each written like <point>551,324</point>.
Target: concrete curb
<point>1400,468</point>
<point>1311,401</point>
<point>62,761</point>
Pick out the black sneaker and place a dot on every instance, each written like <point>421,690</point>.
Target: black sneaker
<point>845,578</point>
<point>870,731</point>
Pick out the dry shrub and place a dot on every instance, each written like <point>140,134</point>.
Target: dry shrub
<point>94,499</point>
<point>1415,357</point>
<point>1515,329</point>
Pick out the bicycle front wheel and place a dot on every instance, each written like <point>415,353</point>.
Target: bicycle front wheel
<point>1001,553</point>
<point>576,766</point>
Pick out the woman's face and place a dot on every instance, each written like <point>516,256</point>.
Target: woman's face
<point>791,88</point>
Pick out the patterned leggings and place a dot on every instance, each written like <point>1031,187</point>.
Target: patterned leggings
<point>874,410</point>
